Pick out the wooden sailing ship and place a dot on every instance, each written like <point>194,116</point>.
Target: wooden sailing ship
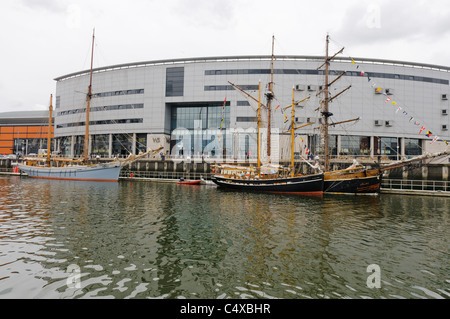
<point>268,177</point>
<point>76,169</point>
<point>356,179</point>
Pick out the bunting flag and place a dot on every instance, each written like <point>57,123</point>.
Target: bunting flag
<point>378,90</point>
<point>422,129</point>
<point>285,118</point>
<point>277,107</point>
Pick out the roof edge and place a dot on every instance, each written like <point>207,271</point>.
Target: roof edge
<point>250,57</point>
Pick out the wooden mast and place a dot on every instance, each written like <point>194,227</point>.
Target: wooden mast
<point>270,96</point>
<point>259,134</point>
<point>326,114</point>
<point>292,132</point>
<point>88,98</point>
<point>49,137</point>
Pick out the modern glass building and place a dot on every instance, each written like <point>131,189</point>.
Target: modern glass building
<point>189,107</point>
<point>24,133</point>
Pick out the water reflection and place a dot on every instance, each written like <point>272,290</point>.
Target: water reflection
<point>155,240</point>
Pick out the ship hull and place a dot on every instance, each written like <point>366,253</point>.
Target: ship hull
<point>98,173</point>
<point>362,183</point>
<point>311,184</point>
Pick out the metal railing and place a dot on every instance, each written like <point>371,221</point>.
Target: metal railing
<point>415,185</point>
<point>164,175</point>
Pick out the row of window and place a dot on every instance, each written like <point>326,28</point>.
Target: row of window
<point>230,88</point>
<point>332,72</point>
<point>103,122</point>
<point>117,93</point>
<point>104,108</point>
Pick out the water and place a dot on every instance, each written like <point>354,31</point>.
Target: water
<point>158,240</point>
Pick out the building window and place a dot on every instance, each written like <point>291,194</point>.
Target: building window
<point>104,122</point>
<point>175,81</point>
<point>100,145</point>
<point>387,147</point>
<point>242,103</point>
<point>203,120</point>
<point>141,143</point>
<point>115,93</point>
<point>247,87</point>
<point>355,145</point>
<point>246,119</point>
<point>122,145</point>
<point>412,147</point>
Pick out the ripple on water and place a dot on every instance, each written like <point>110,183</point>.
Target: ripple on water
<point>149,240</point>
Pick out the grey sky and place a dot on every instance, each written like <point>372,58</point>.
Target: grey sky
<point>44,39</point>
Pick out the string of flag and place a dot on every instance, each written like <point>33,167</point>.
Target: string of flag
<point>397,108</point>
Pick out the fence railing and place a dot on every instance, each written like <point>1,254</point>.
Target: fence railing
<point>164,175</point>
<point>417,185</point>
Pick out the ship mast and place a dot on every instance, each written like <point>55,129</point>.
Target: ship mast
<point>270,96</point>
<point>259,132</point>
<point>49,137</point>
<point>293,128</point>
<point>325,112</point>
<point>88,98</point>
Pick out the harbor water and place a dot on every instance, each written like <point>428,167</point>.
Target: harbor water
<point>62,239</point>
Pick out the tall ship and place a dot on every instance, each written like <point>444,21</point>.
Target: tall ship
<point>268,177</point>
<point>355,179</point>
<point>59,168</point>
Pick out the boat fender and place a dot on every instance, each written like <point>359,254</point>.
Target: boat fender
<point>132,175</point>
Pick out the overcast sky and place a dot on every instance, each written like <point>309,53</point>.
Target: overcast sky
<point>44,39</point>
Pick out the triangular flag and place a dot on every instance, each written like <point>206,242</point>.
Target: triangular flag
<point>394,103</point>
<point>398,110</point>
<point>435,139</point>
<point>353,61</point>
<point>378,89</point>
<point>277,107</point>
<point>387,100</point>
<point>362,73</point>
